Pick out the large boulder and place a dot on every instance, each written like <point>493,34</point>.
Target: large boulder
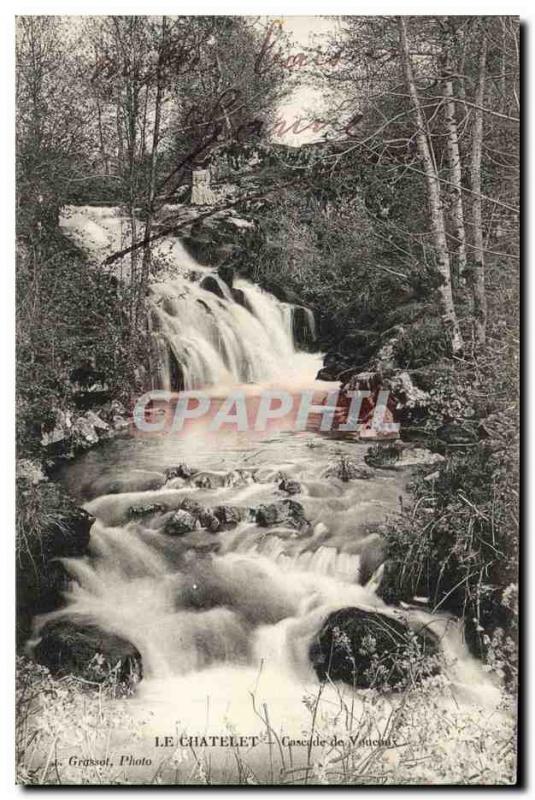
<point>206,518</point>
<point>368,649</point>
<point>69,648</point>
<point>406,403</point>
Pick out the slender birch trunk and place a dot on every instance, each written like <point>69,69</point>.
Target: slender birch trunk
<point>151,193</point>
<point>447,308</point>
<point>480,299</point>
<point>455,188</point>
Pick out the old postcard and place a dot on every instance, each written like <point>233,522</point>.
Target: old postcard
<point>267,400</point>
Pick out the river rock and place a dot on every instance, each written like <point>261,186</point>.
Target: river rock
<point>226,273</point>
<point>241,298</point>
<point>347,470</point>
<point>69,648</point>
<point>208,480</point>
<point>419,456</point>
<point>192,506</point>
<point>367,648</point>
<point>286,512</point>
<point>211,284</point>
<point>209,521</point>
<point>400,455</point>
<point>239,477</point>
<point>372,555</point>
<point>180,471</point>
<point>179,523</point>
<point>230,516</point>
<point>146,510</point>
<point>290,486</point>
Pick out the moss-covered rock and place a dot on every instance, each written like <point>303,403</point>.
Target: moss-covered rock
<point>367,648</point>
<point>69,648</point>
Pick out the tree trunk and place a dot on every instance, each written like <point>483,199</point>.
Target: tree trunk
<point>151,193</point>
<point>455,187</point>
<point>447,308</point>
<point>480,300</point>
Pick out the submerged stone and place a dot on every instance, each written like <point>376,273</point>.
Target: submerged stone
<point>145,510</point>
<point>290,486</point>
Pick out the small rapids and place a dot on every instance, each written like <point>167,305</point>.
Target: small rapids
<point>217,617</point>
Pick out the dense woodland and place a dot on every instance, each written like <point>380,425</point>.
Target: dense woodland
<point>399,228</point>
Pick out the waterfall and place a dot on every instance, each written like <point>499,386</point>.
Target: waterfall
<point>215,340</point>
<point>203,336</point>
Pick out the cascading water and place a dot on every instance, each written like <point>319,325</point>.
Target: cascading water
<point>223,621</point>
<point>216,337</point>
<point>216,340</point>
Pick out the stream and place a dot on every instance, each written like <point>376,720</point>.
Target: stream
<point>224,620</point>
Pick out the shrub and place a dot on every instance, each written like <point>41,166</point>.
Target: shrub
<point>456,547</point>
